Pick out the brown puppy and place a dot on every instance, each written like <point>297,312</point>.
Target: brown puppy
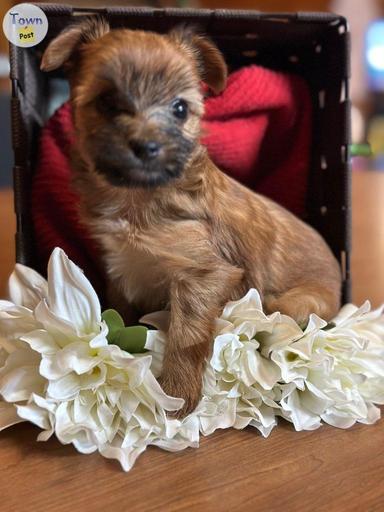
<point>175,231</point>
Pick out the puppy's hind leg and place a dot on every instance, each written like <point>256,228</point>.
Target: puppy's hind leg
<point>301,301</point>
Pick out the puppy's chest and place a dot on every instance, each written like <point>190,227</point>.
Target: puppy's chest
<point>132,267</point>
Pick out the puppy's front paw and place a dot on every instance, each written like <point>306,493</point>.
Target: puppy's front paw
<point>184,387</point>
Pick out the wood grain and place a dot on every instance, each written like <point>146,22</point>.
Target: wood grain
<point>325,470</point>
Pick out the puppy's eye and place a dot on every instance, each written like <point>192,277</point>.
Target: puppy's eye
<point>180,109</point>
<point>113,104</point>
<point>108,104</point>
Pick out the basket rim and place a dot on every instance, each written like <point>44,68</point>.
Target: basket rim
<point>59,9</point>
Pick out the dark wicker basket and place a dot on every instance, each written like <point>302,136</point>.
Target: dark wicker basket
<point>313,45</point>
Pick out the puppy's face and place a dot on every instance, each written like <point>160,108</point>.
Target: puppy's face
<point>137,107</point>
<point>137,99</point>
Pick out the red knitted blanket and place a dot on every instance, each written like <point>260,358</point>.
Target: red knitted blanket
<point>258,131</point>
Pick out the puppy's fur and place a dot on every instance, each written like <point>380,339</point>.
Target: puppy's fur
<point>175,231</point>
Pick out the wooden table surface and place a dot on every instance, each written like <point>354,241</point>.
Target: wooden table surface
<point>327,469</point>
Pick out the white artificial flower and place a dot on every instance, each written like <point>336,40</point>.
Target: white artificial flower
<point>240,392</point>
<point>335,375</point>
<point>61,374</point>
<point>264,366</point>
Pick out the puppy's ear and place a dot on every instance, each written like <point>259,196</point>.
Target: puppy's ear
<point>212,67</point>
<point>61,49</point>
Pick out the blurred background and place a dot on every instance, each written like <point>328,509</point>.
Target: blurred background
<point>366,19</point>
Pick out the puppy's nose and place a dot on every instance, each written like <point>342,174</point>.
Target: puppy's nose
<point>146,150</point>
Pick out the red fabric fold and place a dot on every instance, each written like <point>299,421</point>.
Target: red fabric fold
<point>259,131</point>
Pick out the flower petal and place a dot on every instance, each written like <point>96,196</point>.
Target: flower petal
<point>126,456</point>
<point>27,287</point>
<point>250,301</point>
<point>76,357</point>
<point>19,377</point>
<point>67,387</point>
<point>40,341</point>
<point>71,295</point>
<point>35,415</point>
<point>16,320</point>
<point>63,330</point>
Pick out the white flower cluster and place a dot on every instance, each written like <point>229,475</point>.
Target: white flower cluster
<point>266,366</point>
<point>58,371</point>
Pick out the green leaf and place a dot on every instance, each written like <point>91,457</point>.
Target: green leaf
<point>115,323</point>
<point>132,339</point>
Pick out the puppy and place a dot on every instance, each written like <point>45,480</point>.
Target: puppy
<point>175,232</point>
